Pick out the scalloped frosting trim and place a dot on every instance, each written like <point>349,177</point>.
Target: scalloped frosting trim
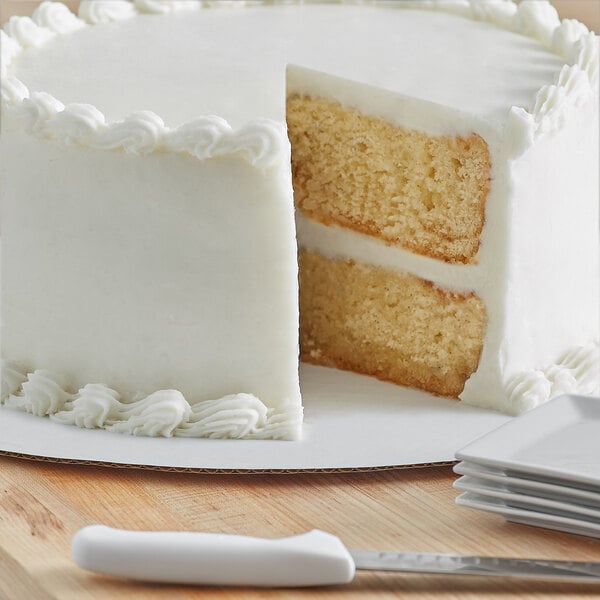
<point>263,143</point>
<point>164,413</point>
<point>576,372</point>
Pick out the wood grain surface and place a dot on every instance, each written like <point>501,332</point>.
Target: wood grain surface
<point>42,505</point>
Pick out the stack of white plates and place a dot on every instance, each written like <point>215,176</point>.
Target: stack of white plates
<point>542,468</point>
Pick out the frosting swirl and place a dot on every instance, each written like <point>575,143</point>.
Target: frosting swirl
<point>527,390</point>
<point>577,372</point>
<point>537,20</point>
<point>566,35</point>
<point>10,49</point>
<point>56,17</point>
<point>40,395</point>
<point>165,6</point>
<point>225,3</point>
<point>200,138</point>
<point>159,414</point>
<point>27,33</point>
<point>94,406</point>
<point>12,379</point>
<point>584,363</point>
<point>235,416</point>
<point>494,11</point>
<point>139,134</point>
<point>585,55</point>
<point>262,143</point>
<point>76,123</point>
<point>99,12</point>
<point>13,92</point>
<point>164,413</point>
<point>37,111</point>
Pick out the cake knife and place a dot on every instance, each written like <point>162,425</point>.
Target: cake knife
<point>310,559</point>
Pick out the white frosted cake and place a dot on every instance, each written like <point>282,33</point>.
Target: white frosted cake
<point>443,159</point>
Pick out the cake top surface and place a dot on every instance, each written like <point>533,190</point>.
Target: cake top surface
<point>179,75</point>
<point>230,61</point>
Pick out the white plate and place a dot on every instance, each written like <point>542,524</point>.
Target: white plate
<point>559,440</point>
<point>472,500</point>
<point>351,422</point>
<point>542,489</point>
<point>575,529</point>
<point>528,502</point>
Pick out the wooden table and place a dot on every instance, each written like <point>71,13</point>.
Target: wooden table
<point>43,504</point>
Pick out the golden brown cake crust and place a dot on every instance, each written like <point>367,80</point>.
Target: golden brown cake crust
<point>426,194</point>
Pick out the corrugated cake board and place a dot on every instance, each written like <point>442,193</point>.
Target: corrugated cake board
<point>352,423</point>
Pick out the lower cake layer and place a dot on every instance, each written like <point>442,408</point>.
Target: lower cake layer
<point>388,324</point>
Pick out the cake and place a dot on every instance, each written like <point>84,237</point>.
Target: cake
<point>431,166</point>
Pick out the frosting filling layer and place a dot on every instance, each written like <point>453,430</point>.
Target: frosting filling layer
<point>334,242</point>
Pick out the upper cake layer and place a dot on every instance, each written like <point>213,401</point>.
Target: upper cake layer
<point>447,59</point>
<point>424,193</point>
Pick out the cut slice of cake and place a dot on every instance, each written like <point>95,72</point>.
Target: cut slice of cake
<point>419,261</point>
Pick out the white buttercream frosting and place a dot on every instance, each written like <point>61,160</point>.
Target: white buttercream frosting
<point>164,413</point>
<point>566,35</point>
<point>165,6</point>
<point>98,12</point>
<point>12,379</point>
<point>140,134</point>
<point>533,18</point>
<point>27,32</point>
<point>263,143</point>
<point>334,242</point>
<point>37,111</point>
<point>42,394</point>
<point>536,19</point>
<point>56,17</point>
<point>10,49</point>
<point>498,12</point>
<point>577,372</point>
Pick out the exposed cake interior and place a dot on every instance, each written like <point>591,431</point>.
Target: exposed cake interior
<point>423,193</point>
<point>387,324</point>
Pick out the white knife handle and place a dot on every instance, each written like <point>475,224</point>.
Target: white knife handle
<point>313,558</point>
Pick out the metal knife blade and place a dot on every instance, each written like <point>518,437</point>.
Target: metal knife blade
<point>448,564</point>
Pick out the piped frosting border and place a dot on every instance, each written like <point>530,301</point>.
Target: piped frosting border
<point>577,371</point>
<point>164,413</point>
<point>263,143</point>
